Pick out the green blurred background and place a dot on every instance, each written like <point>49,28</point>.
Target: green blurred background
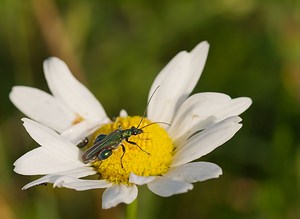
<point>117,48</point>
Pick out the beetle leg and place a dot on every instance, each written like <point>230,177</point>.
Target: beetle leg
<point>132,142</point>
<point>124,150</point>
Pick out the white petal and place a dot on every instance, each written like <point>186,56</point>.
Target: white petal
<point>51,178</point>
<point>70,91</point>
<point>81,130</point>
<point>140,180</point>
<point>234,107</point>
<point>79,172</point>
<point>41,161</point>
<point>41,107</point>
<point>55,155</point>
<point>203,109</point>
<point>123,113</point>
<point>166,187</point>
<point>45,179</point>
<point>52,141</point>
<point>117,194</point>
<point>197,108</point>
<point>207,140</point>
<point>176,81</point>
<point>81,184</point>
<point>194,172</point>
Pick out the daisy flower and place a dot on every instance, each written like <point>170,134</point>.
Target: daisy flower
<point>177,130</point>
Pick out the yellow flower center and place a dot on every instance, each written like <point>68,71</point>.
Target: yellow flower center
<point>150,155</point>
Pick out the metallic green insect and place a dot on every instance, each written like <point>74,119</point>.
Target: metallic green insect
<point>104,145</point>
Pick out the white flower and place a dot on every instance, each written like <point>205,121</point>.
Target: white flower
<point>198,124</point>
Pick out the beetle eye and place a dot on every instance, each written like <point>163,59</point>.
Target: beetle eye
<point>138,131</point>
<point>104,154</point>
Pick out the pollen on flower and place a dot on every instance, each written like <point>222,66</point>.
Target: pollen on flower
<point>77,119</point>
<point>151,159</point>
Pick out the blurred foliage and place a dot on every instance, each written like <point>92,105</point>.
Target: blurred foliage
<point>117,48</point>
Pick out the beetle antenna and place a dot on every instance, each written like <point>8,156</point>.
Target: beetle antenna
<point>147,106</point>
<point>152,123</point>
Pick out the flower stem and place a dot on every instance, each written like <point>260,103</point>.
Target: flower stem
<point>131,210</point>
